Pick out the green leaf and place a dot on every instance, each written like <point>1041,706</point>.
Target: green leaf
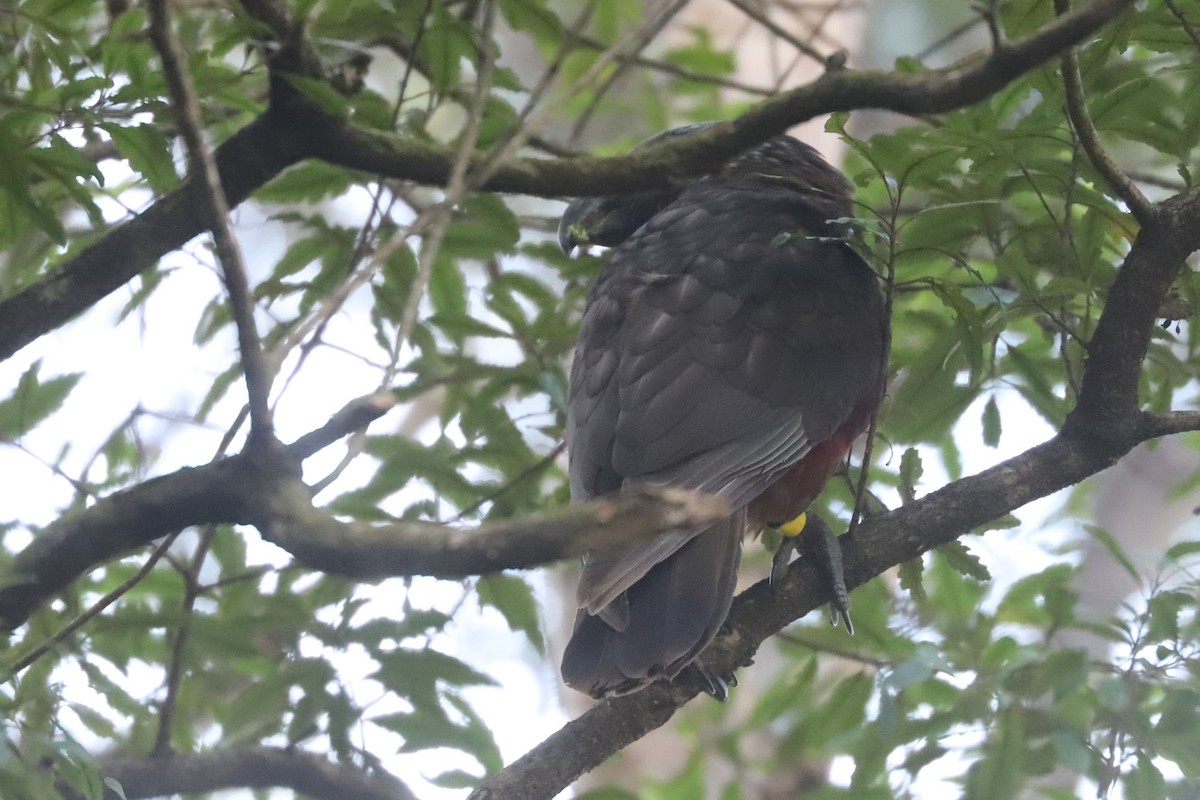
<point>113,785</point>
<point>321,93</point>
<point>392,291</point>
<point>485,228</point>
<point>147,151</point>
<point>33,401</point>
<point>1109,542</point>
<point>446,43</point>
<point>456,779</point>
<point>991,422</point>
<point>1182,550</point>
<point>998,775</point>
<point>15,180</point>
<point>1145,781</point>
<point>910,573</point>
<point>534,17</point>
<point>307,182</point>
<point>958,556</point>
<point>910,473</point>
<point>257,711</point>
<point>448,289</point>
<point>415,674</point>
<point>430,729</point>
<point>513,598</point>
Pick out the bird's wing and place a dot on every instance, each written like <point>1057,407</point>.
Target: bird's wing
<point>715,351</point>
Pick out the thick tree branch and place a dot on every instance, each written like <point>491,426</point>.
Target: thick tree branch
<point>1108,394</point>
<point>837,90</point>
<point>263,488</point>
<point>293,130</point>
<point>250,158</point>
<point>359,550</point>
<point>257,768</point>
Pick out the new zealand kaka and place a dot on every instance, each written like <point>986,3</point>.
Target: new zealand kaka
<point>733,344</point>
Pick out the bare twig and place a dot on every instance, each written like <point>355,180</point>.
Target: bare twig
<point>668,68</point>
<point>1184,22</point>
<point>622,53</point>
<point>191,590</point>
<point>96,608</point>
<point>798,638</point>
<point>1089,137</point>
<point>442,214</point>
<point>762,19</point>
<point>202,168</point>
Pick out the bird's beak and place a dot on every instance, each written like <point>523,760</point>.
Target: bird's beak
<point>579,219</point>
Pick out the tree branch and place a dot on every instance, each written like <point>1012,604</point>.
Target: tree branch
<point>837,90</point>
<point>1089,137</point>
<point>1108,393</point>
<point>263,488</point>
<point>293,130</point>
<point>369,552</point>
<point>877,545</point>
<point>202,169</point>
<point>250,158</point>
<point>257,768</point>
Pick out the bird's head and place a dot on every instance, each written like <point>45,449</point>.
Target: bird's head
<point>608,221</point>
<point>779,161</point>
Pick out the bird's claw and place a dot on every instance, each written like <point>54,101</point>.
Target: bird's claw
<point>823,546</point>
<point>782,557</point>
<point>715,685</point>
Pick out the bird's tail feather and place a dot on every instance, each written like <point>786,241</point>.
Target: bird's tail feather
<point>673,613</point>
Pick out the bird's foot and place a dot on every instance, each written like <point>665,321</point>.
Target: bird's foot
<point>789,544</point>
<point>823,546</point>
<point>715,685</point>
<point>820,544</point>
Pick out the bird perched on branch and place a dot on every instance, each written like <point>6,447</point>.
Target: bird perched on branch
<point>732,344</point>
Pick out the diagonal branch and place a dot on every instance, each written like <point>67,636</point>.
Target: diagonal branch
<point>1108,393</point>
<point>250,158</point>
<point>761,17</point>
<point>837,90</point>
<point>1089,137</point>
<point>251,768</point>
<point>202,169</point>
<point>262,488</point>
<point>293,130</point>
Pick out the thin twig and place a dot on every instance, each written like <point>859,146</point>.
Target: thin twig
<point>949,38</point>
<point>864,473</point>
<point>202,167</point>
<point>456,187</point>
<point>798,639</point>
<point>1089,138</point>
<point>104,602</point>
<point>526,474</point>
<point>667,68</point>
<point>1184,22</point>
<point>191,590</point>
<point>762,19</point>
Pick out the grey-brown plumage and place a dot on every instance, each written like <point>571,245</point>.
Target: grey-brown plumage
<point>731,344</point>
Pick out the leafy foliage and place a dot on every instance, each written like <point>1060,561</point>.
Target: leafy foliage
<point>997,239</point>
